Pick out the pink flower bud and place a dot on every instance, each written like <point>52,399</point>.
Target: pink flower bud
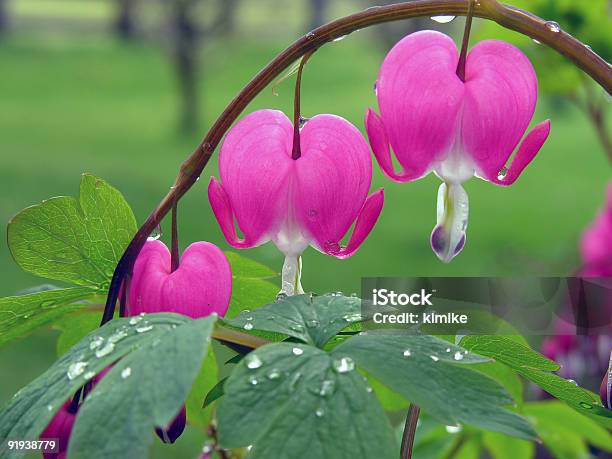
<point>436,122</point>
<point>201,285</point>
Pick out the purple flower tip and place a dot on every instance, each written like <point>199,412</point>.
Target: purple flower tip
<point>173,430</point>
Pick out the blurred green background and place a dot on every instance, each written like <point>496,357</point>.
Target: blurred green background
<point>126,89</point>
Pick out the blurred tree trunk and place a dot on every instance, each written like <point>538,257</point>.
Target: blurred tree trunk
<point>318,13</point>
<point>186,55</point>
<point>188,38</point>
<point>4,22</point>
<point>125,26</point>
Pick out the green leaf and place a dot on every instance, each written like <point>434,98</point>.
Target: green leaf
<point>250,286</point>
<point>246,268</point>
<point>206,380</point>
<point>432,373</point>
<point>215,393</point>
<point>164,353</point>
<point>505,376</point>
<point>563,417</point>
<point>292,400</point>
<point>311,319</point>
<point>74,327</point>
<point>504,447</point>
<point>470,449</point>
<point>117,421</point>
<point>20,315</point>
<point>538,369</point>
<point>77,241</point>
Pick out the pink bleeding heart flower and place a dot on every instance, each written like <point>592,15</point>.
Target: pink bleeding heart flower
<point>200,286</point>
<point>436,122</point>
<point>311,200</point>
<point>596,244</point>
<point>60,429</point>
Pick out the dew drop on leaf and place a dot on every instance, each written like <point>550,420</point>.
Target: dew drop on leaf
<point>126,372</point>
<point>76,369</point>
<point>144,328</point>
<point>297,351</point>
<point>96,342</point>
<point>344,365</point>
<point>248,326</point>
<point>312,323</point>
<point>253,381</point>
<point>253,362</point>
<point>458,356</point>
<point>89,375</point>
<point>135,320</point>
<point>320,412</point>
<point>105,350</point>
<point>435,358</point>
<point>586,406</point>
<point>274,374</point>
<point>407,353</point>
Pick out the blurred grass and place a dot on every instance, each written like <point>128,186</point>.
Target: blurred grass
<point>95,105</point>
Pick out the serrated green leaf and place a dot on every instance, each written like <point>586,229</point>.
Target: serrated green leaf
<point>162,353</point>
<point>502,446</point>
<point>118,419</point>
<point>434,374</point>
<point>20,315</point>
<point>74,327</point>
<point>508,351</point>
<point>77,241</point>
<point>538,369</point>
<point>206,380</point>
<point>311,319</point>
<point>563,417</point>
<point>296,404</point>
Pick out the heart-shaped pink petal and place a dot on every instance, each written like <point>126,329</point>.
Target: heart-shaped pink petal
<point>201,285</point>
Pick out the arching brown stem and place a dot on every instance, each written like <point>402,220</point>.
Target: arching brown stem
<point>508,17</point>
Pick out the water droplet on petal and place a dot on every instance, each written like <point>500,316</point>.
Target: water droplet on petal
<point>502,173</point>
<point>344,365</point>
<point>126,372</point>
<point>376,88</point>
<point>443,19</point>
<point>76,369</point>
<point>303,121</point>
<point>297,351</point>
<point>253,362</point>
<point>407,353</point>
<point>458,356</point>
<point>553,26</point>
